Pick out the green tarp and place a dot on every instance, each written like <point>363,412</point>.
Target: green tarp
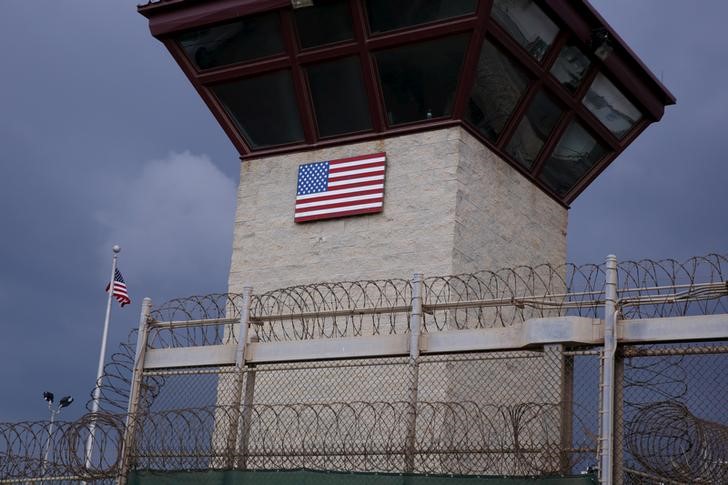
<point>309,477</point>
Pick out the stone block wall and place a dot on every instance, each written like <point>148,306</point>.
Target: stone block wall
<point>450,206</point>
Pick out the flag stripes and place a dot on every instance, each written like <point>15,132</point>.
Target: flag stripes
<point>120,292</point>
<point>340,188</point>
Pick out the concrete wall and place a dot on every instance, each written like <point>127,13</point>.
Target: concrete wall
<point>450,206</point>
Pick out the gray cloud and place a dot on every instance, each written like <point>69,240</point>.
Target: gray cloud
<point>664,196</point>
<point>89,100</point>
<point>174,220</point>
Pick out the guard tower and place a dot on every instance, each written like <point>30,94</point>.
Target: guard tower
<point>384,137</point>
<point>492,117</point>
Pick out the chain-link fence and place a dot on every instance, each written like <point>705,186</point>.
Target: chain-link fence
<point>500,413</point>
<point>675,415</point>
<point>533,409</point>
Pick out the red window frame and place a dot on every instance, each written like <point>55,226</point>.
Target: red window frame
<point>575,20</point>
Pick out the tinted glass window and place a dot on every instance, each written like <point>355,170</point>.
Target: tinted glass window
<point>612,108</point>
<point>534,128</point>
<point>263,108</point>
<point>576,153</point>
<point>527,24</point>
<point>338,97</point>
<point>324,23</point>
<point>245,39</point>
<point>499,85</point>
<point>570,67</point>
<point>419,80</point>
<point>387,15</point>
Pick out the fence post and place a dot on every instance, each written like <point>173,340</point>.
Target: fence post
<point>415,324</point>
<point>606,431</point>
<point>618,419</point>
<point>247,416</point>
<point>234,443</point>
<point>127,445</point>
<point>567,409</point>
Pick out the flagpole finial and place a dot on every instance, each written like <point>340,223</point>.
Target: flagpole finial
<point>116,248</point>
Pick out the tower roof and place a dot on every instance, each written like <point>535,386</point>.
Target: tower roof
<point>546,84</point>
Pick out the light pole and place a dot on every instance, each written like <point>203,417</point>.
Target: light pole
<point>63,403</point>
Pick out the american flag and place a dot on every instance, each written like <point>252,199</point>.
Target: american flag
<point>340,188</point>
<point>120,289</point>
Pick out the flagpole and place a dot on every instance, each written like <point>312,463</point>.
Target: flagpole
<point>102,357</point>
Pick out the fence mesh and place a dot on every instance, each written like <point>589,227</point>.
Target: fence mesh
<point>517,412</point>
<point>502,413</point>
<point>675,424</point>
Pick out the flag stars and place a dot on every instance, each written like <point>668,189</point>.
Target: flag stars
<point>312,178</point>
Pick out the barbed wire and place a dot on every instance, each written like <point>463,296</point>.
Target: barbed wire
<point>461,437</point>
<point>452,437</point>
<point>513,295</point>
<point>671,442</point>
<point>643,282</point>
<point>116,380</point>
<point>28,450</point>
<point>340,435</point>
<point>313,310</point>
<point>505,297</point>
<point>485,299</point>
<point>215,306</point>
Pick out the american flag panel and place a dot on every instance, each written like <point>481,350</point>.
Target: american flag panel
<point>339,188</point>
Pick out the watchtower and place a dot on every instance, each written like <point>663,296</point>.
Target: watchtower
<point>384,137</point>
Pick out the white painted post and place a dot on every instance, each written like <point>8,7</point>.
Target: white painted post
<point>606,438</point>
<point>236,438</point>
<point>243,328</point>
<point>618,422</point>
<point>247,415</point>
<point>134,393</point>
<point>415,325</point>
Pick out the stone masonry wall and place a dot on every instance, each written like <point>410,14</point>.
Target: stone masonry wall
<point>450,206</point>
<point>502,220</point>
<point>414,233</point>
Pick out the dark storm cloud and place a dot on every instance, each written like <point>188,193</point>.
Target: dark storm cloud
<point>174,220</point>
<point>93,149</point>
<point>103,140</point>
<point>666,195</point>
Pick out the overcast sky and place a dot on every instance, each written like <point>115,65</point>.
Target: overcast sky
<point>103,141</point>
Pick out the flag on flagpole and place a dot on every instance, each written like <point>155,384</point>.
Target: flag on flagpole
<point>120,292</point>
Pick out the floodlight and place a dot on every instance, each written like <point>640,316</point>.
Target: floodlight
<point>63,403</point>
